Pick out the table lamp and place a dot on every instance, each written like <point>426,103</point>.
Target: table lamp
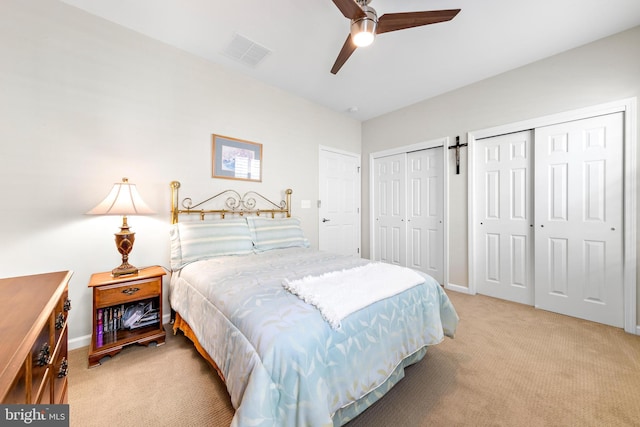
<point>124,200</point>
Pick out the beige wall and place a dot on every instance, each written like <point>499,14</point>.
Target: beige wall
<point>604,71</point>
<point>84,102</point>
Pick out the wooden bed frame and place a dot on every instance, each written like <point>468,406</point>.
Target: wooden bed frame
<point>234,204</point>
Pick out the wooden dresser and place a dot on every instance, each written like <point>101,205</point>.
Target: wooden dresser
<point>33,338</point>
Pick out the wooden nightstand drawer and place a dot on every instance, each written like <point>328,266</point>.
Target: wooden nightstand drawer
<point>124,293</point>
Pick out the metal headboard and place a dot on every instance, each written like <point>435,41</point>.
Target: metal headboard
<point>235,204</point>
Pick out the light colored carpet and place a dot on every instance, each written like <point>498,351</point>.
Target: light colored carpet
<point>166,385</point>
<point>509,365</point>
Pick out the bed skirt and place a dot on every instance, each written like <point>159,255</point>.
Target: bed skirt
<point>180,324</point>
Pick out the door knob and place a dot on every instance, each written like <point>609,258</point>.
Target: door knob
<point>325,220</point>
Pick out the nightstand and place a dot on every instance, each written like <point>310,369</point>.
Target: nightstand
<point>126,310</point>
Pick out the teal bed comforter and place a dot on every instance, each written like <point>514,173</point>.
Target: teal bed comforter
<point>283,363</point>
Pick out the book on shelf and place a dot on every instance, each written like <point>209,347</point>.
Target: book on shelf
<point>126,316</point>
<point>139,315</point>
<point>99,323</point>
<point>149,318</point>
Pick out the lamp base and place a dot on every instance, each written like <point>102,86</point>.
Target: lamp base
<point>124,243</point>
<point>124,269</point>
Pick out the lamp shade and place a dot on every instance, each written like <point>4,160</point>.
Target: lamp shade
<point>123,199</point>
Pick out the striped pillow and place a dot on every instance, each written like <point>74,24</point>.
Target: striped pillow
<point>192,241</point>
<point>276,233</point>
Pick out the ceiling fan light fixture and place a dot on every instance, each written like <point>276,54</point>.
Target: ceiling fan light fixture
<point>363,30</point>
<point>362,38</point>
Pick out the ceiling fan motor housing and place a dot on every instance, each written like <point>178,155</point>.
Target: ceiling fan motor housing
<point>366,24</point>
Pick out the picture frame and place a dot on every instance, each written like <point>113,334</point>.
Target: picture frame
<point>234,158</point>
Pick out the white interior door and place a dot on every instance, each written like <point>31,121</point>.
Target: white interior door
<point>578,218</point>
<point>425,211</point>
<point>390,209</point>
<point>504,214</point>
<point>339,206</point>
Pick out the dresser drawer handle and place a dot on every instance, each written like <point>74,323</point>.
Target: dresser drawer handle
<point>67,304</point>
<point>43,355</point>
<point>60,321</point>
<point>130,291</point>
<point>64,368</point>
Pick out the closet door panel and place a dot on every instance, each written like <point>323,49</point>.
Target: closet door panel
<point>425,211</point>
<point>390,209</point>
<point>578,215</point>
<point>505,216</point>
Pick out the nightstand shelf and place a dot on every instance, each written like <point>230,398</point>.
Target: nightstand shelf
<point>114,298</point>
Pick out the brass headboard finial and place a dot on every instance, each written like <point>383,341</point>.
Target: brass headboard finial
<point>288,193</point>
<point>174,201</point>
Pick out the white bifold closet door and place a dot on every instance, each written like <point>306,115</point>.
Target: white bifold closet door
<point>578,211</point>
<point>549,204</point>
<point>504,244</point>
<point>390,209</point>
<point>425,211</point>
<point>409,210</point>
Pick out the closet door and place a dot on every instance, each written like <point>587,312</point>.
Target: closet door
<point>578,211</point>
<point>505,216</point>
<point>390,209</point>
<point>425,211</point>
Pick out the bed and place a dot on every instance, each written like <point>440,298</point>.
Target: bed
<point>247,289</point>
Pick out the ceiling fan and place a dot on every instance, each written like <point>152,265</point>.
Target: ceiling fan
<point>365,24</point>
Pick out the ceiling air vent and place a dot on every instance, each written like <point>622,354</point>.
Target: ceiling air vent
<point>245,51</point>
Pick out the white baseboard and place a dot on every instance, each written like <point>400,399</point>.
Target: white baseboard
<point>85,340</point>
<point>79,342</point>
<point>637,329</point>
<point>457,288</point>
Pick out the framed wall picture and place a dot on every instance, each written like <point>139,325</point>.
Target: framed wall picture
<point>236,159</point>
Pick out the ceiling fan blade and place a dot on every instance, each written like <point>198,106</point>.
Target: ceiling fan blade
<point>349,8</point>
<point>347,49</point>
<point>400,21</point>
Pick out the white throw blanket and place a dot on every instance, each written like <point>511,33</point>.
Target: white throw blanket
<point>340,293</point>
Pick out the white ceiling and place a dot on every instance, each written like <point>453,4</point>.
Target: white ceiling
<point>401,68</point>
